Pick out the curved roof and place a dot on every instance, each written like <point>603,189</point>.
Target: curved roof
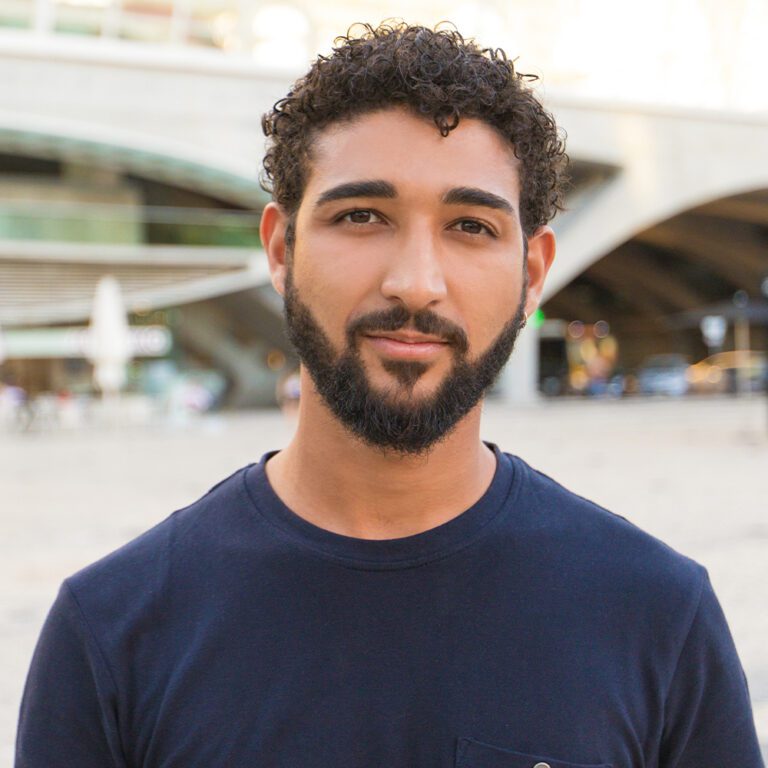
<point>162,166</point>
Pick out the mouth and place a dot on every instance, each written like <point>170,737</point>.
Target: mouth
<point>404,345</point>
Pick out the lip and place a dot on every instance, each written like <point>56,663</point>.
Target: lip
<point>407,346</point>
<point>408,337</point>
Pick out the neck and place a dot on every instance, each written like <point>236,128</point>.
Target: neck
<point>333,480</point>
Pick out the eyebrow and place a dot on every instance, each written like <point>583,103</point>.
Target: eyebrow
<point>377,188</point>
<point>384,189</point>
<point>477,196</point>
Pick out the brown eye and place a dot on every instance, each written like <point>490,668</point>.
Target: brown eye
<point>361,216</point>
<point>471,227</point>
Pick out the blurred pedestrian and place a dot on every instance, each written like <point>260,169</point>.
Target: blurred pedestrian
<point>15,409</point>
<point>289,393</point>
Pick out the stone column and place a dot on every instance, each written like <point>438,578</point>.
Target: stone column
<point>44,11</point>
<point>519,381</point>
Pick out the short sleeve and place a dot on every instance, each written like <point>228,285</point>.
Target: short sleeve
<point>708,716</point>
<point>68,711</point>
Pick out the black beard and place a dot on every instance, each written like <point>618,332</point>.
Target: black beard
<point>403,426</point>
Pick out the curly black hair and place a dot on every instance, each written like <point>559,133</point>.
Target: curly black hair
<point>433,72</point>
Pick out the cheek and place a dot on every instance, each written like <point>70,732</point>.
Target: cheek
<point>489,304</point>
<point>334,292</point>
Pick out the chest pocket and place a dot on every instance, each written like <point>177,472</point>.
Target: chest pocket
<point>475,754</point>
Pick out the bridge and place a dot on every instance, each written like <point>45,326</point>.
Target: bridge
<point>134,159</point>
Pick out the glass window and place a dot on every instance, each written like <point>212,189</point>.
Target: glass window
<point>16,14</point>
<point>147,21</point>
<point>81,17</point>
<point>215,23</point>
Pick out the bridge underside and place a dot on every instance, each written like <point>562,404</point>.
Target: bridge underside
<point>651,288</point>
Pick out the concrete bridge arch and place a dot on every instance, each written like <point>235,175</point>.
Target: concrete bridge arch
<point>140,154</point>
<point>662,163</point>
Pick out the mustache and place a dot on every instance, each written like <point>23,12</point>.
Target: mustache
<point>398,317</point>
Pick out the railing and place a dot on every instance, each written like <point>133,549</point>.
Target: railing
<point>232,26</point>
<point>708,55</point>
<point>111,223</point>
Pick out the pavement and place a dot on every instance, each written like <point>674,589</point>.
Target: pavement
<point>693,472</point>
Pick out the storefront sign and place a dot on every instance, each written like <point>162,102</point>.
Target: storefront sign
<point>146,341</point>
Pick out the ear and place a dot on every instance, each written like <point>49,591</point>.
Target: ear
<point>541,254</point>
<point>274,221</point>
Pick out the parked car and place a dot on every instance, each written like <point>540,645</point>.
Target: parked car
<point>664,375</point>
<point>720,372</point>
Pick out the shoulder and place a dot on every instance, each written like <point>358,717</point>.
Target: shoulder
<point>602,549</point>
<point>189,539</point>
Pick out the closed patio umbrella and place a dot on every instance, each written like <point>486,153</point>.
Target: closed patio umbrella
<point>109,347</point>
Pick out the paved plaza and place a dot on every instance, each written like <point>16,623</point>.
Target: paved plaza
<point>693,472</point>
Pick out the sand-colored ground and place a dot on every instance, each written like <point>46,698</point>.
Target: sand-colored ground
<point>694,473</point>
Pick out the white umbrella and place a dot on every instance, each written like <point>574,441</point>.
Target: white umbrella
<point>109,347</point>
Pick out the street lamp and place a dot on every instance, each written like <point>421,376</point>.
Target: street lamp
<point>764,291</point>
<point>742,343</point>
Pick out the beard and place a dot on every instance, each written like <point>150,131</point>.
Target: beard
<point>382,419</point>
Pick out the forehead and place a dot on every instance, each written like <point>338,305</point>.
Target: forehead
<point>409,152</point>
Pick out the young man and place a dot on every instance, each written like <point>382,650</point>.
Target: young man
<point>388,590</point>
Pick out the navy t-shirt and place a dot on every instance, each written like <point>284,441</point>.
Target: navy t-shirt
<point>534,628</point>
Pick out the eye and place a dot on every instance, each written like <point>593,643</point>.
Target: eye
<point>360,216</point>
<point>473,227</point>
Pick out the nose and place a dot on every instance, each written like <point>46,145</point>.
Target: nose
<point>414,275</point>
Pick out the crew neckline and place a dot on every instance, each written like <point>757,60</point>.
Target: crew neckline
<point>385,554</point>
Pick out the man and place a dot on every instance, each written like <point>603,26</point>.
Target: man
<point>388,590</point>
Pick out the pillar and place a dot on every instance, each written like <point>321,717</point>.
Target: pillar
<point>519,381</point>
